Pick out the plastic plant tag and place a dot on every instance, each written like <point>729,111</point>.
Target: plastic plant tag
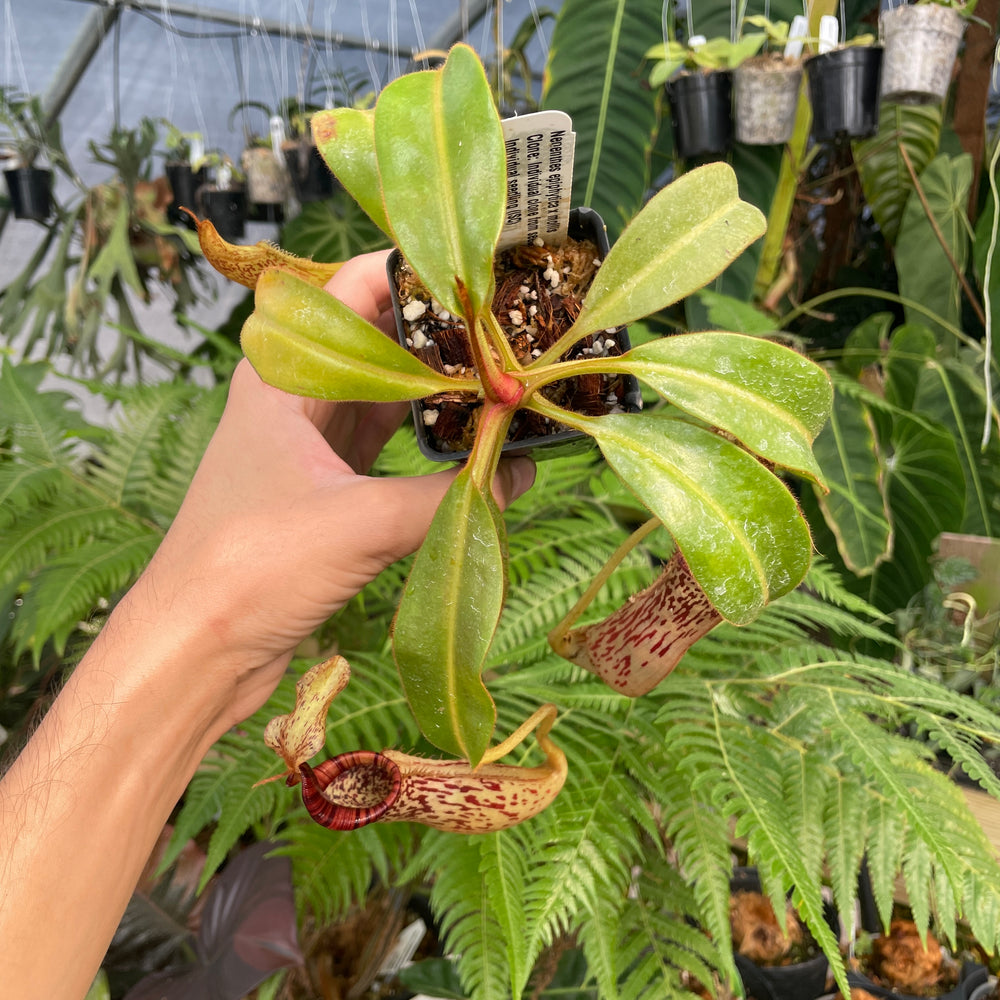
<point>539,150</point>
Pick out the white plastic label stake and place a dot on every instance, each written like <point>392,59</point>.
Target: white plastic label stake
<point>539,149</point>
<point>797,33</point>
<point>277,127</point>
<point>829,33</point>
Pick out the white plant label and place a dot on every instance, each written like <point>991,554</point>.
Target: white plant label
<point>539,149</point>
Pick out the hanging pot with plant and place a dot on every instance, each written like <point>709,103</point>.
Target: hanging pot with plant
<point>921,44</point>
<point>224,199</point>
<point>262,161</point>
<point>766,87</point>
<point>184,165</point>
<point>699,83</point>
<point>844,87</point>
<point>28,136</point>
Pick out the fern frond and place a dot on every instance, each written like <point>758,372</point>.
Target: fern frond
<point>65,592</point>
<point>459,901</point>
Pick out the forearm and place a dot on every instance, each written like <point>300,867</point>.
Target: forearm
<point>81,808</point>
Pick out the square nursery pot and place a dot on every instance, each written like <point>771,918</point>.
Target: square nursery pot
<point>184,184</point>
<point>30,190</point>
<point>701,110</point>
<point>844,90</point>
<point>805,980</point>
<point>921,44</point>
<point>435,418</point>
<point>766,98</point>
<point>227,210</point>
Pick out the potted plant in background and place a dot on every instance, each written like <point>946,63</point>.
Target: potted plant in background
<point>262,161</point>
<point>921,43</point>
<point>29,135</point>
<point>698,78</point>
<point>224,197</point>
<point>184,165</point>
<point>766,87</point>
<point>844,85</point>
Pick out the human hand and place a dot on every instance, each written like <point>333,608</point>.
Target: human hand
<point>281,527</point>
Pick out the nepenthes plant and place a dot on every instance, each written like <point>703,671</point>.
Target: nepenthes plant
<point>427,164</point>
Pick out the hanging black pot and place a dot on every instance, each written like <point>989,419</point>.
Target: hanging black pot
<point>802,981</point>
<point>227,210</point>
<point>844,88</point>
<point>584,223</point>
<point>311,177</point>
<point>184,184</point>
<point>701,109</point>
<point>30,190</point>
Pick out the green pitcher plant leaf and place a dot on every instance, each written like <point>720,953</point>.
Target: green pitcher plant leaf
<point>440,154</point>
<point>447,616</point>
<point>304,340</point>
<point>772,399</point>
<point>687,234</point>
<point>736,524</point>
<point>345,138</point>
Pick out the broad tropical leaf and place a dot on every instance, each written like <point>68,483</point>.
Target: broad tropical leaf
<point>306,341</point>
<point>736,524</point>
<point>447,616</point>
<point>346,138</point>
<point>886,182</point>
<point>444,194</point>
<point>925,273</point>
<point>855,509</point>
<point>594,74</point>
<point>669,250</point>
<point>773,400</point>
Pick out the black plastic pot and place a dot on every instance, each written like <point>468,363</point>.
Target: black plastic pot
<point>227,210</point>
<point>584,223</point>
<point>701,109</point>
<point>30,190</point>
<point>184,184</point>
<point>311,177</point>
<point>844,90</point>
<point>804,981</point>
<point>972,977</point>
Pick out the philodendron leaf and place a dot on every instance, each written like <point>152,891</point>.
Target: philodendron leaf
<point>736,524</point>
<point>346,139</point>
<point>446,619</point>
<point>304,340</point>
<point>772,399</point>
<point>444,194</point>
<point>687,234</point>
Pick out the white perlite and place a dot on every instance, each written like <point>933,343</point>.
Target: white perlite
<point>414,310</point>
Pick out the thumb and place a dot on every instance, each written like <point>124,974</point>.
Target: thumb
<point>394,514</point>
